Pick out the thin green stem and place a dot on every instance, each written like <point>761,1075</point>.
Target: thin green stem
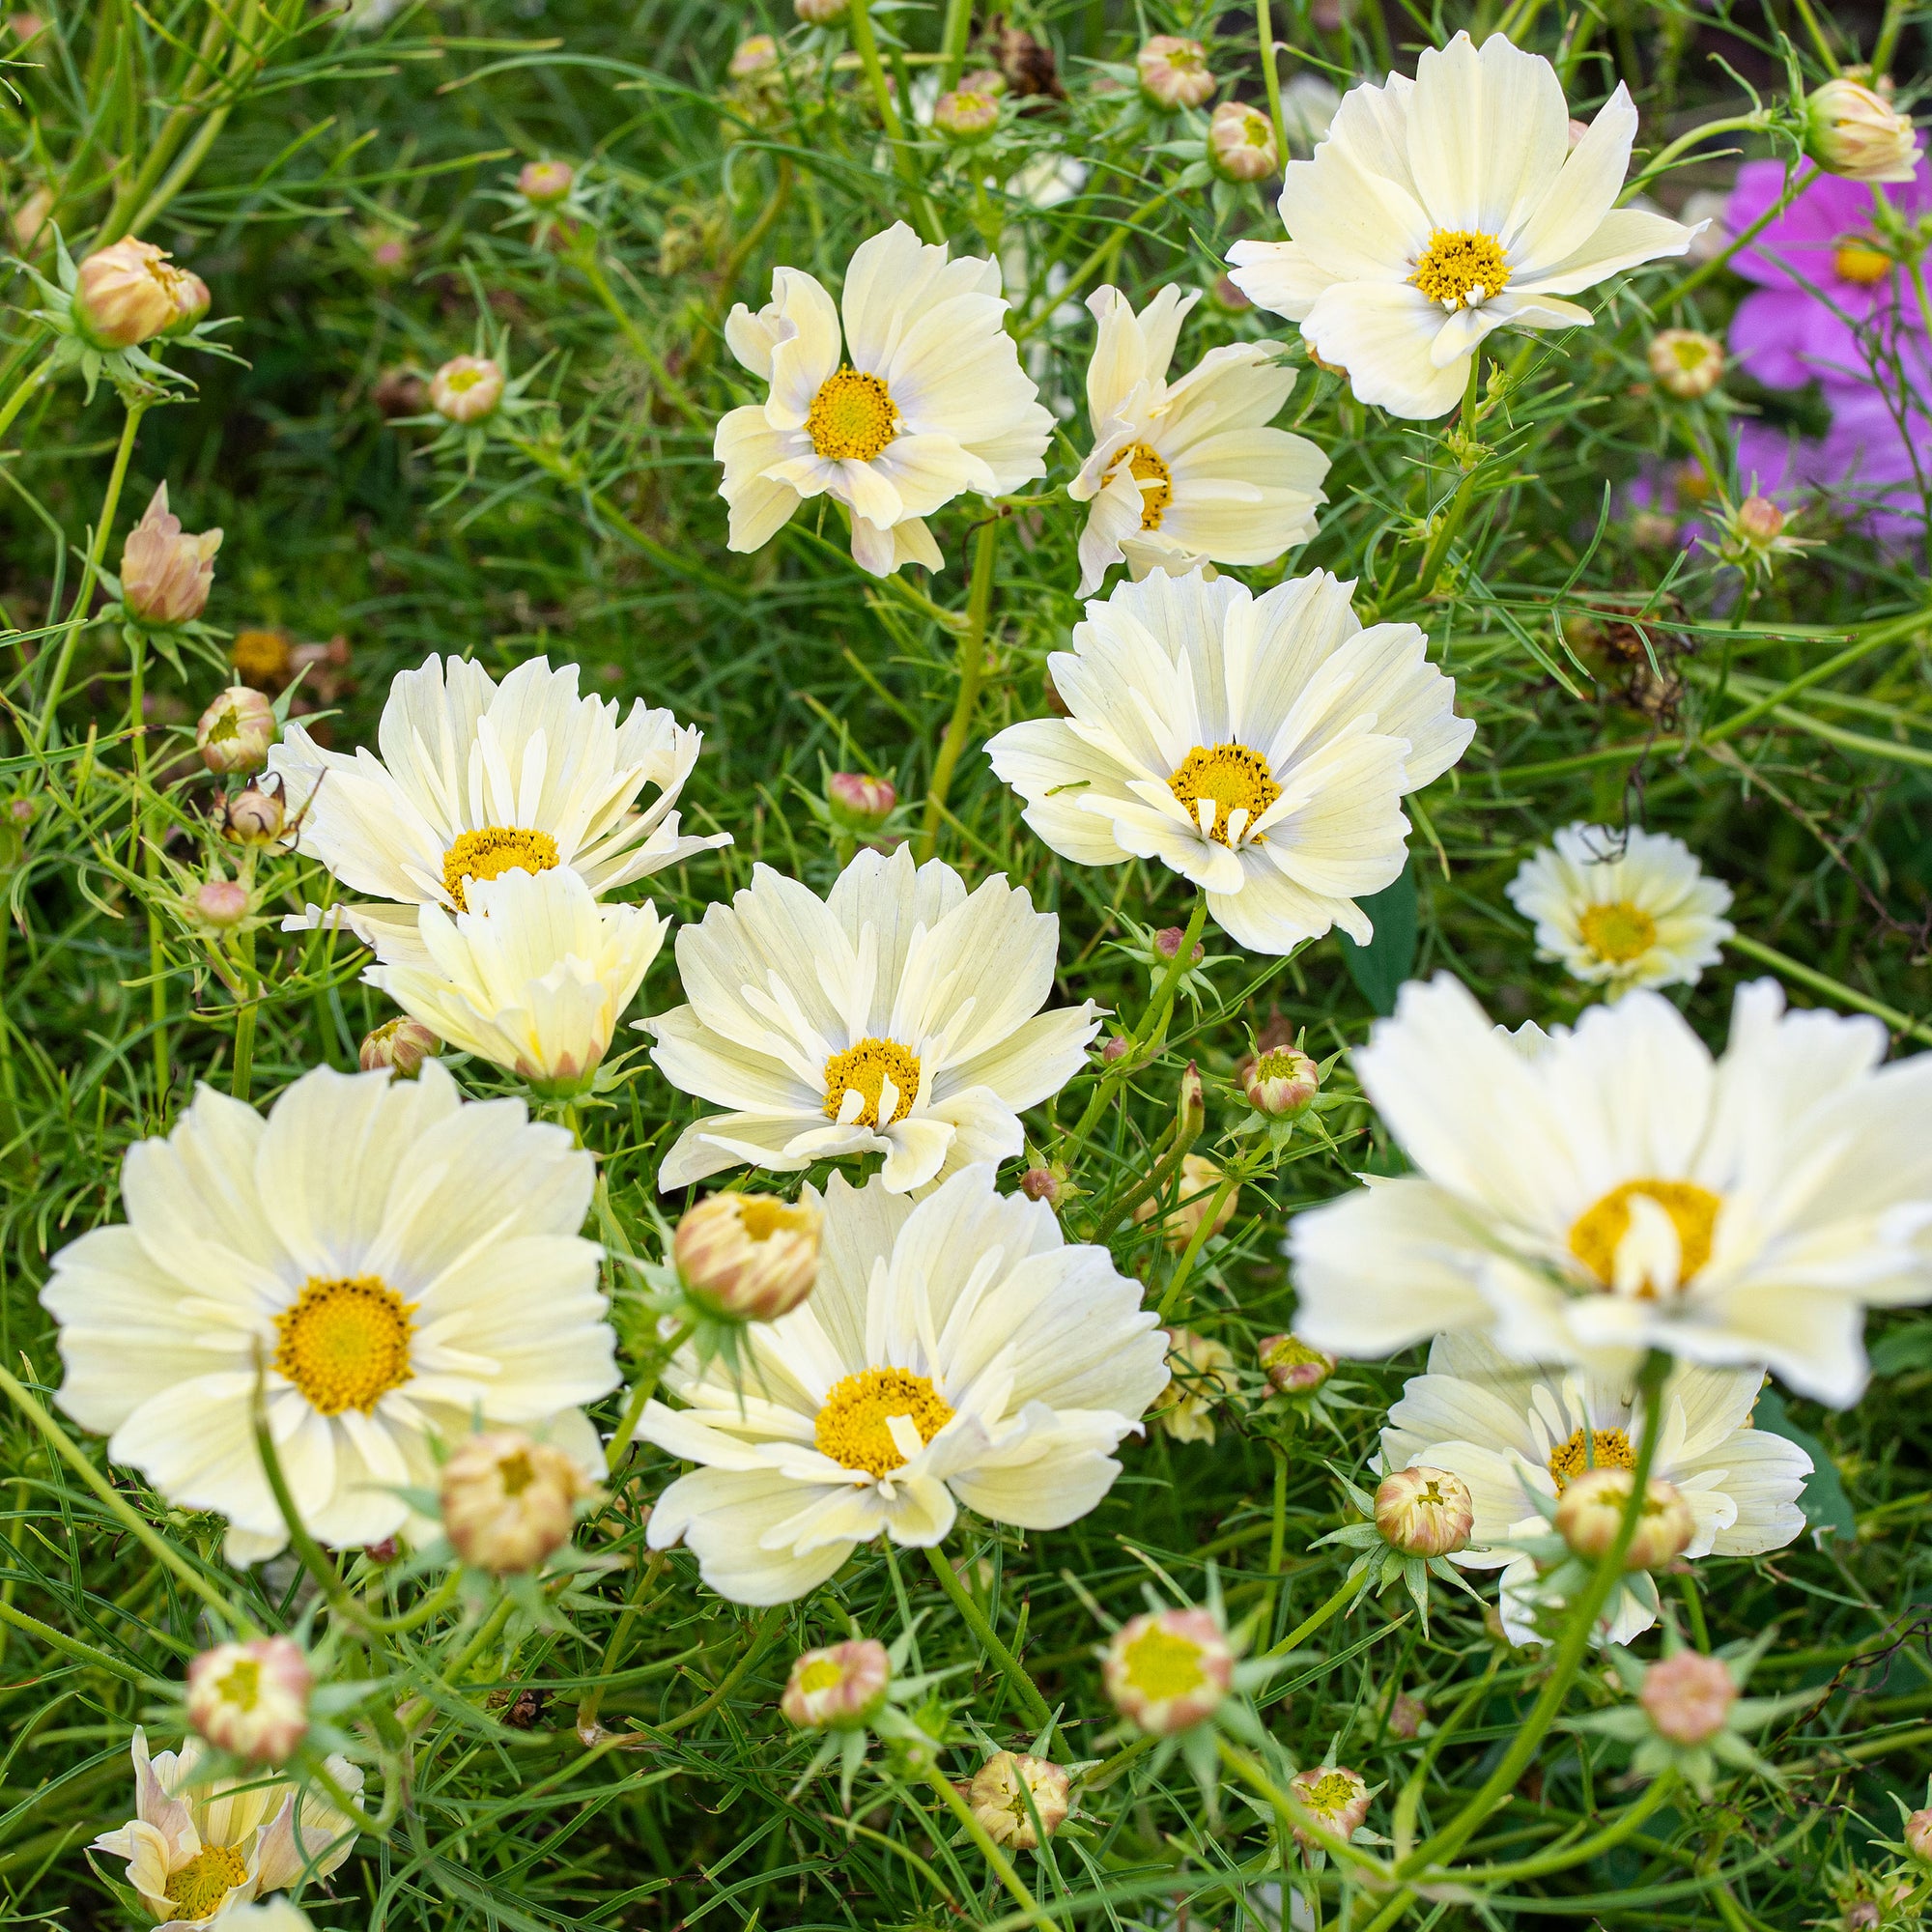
<point>1329,1607</point>
<point>243,1074</point>
<point>648,1375</point>
<point>24,393</point>
<point>1204,1230</point>
<point>1271,77</point>
<point>767,1626</point>
<point>1002,1865</point>
<point>1704,270</point>
<point>971,651</point>
<point>953,39</point>
<point>1438,553</point>
<point>1296,1816</point>
<point>975,1619</point>
<point>1833,989</point>
<point>865,43</point>
<point>1660,162</point>
<point>1566,1857</point>
<point>82,1653</point>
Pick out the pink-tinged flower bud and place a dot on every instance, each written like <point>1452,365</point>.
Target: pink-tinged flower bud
<point>1688,1697</point>
<point>1687,362</point>
<point>191,302</point>
<point>999,1793</point>
<point>1201,1377</point>
<point>388,249</point>
<point>220,903</point>
<point>1167,943</point>
<point>403,1045</point>
<point>1174,73</point>
<point>1292,1367</point>
<point>255,815</point>
<point>251,1698</point>
<point>1759,521</point>
<point>166,573</point>
<point>819,13</point>
<point>1041,1183</point>
<point>1190,1106</point>
<point>842,1689</point>
<point>1281,1084</point>
<point>1241,143</point>
<point>466,389</point>
<point>1406,1716</point>
<point>964,116</point>
<point>858,804</point>
<point>236,731</point>
<point>1425,1512</point>
<point>758,54</point>
<point>1227,298</point>
<point>1852,130</point>
<point>508,1501</point>
<point>1593,1505</point>
<point>748,1257</point>
<point>1196,1187</point>
<point>1169,1669</point>
<point>127,294</point>
<point>546,182</point>
<point>1335,1797</point>
<point>1116,1044</point>
<point>1918,1836</point>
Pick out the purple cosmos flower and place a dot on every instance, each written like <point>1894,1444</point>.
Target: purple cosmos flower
<point>1826,288</point>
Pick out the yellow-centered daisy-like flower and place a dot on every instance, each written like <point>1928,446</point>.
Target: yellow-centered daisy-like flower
<point>957,1351</point>
<point>1440,208</point>
<point>1585,1196</point>
<point>200,1846</point>
<point>392,1262</point>
<point>921,399</point>
<point>477,778</point>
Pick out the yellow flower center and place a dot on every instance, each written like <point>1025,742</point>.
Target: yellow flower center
<point>1234,778</point>
<point>1592,1449</point>
<point>822,1675</point>
<point>1459,269</point>
<point>1862,263</point>
<point>346,1344</point>
<point>242,1684</point>
<point>260,658</point>
<point>764,1215</point>
<point>1330,1793</point>
<point>464,380</point>
<point>1145,464</point>
<point>515,1473</point>
<point>852,1426</point>
<point>1160,1665</point>
<point>1600,1230</point>
<point>493,851</point>
<point>864,1070</point>
<point>200,1886</point>
<point>1618,932</point>
<point>852,417</point>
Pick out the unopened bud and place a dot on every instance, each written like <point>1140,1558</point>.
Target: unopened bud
<point>962,115</point>
<point>1190,1107</point>
<point>1167,943</point>
<point>165,573</point>
<point>1046,1184</point>
<point>758,54</point>
<point>545,182</point>
<point>1688,1697</point>
<point>255,815</point>
<point>819,13</point>
<point>998,1793</point>
<point>191,302</point>
<point>1687,362</point>
<point>1425,1512</point>
<point>387,250</point>
<point>839,1688</point>
<point>220,903</point>
<point>1917,1836</point>
<point>1169,1669</point>
<point>858,804</point>
<point>236,731</point>
<point>1116,1044</point>
<point>747,1257</point>
<point>1592,1508</point>
<point>1292,1367</point>
<point>401,1043</point>
<point>1335,1797</point>
<point>508,1501</point>
<point>1280,1084</point>
<point>1852,130</point>
<point>1241,143</point>
<point>466,389</point>
<point>1406,1716</point>
<point>1174,73</point>
<point>126,293</point>
<point>251,1698</point>
<point>1759,521</point>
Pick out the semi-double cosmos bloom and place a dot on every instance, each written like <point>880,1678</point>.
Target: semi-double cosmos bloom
<point>1441,209</point>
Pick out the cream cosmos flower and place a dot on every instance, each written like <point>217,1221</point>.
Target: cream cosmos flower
<point>398,1262</point>
<point>1510,1432</point>
<point>927,401</point>
<point>198,1846</point>
<point>957,1351</point>
<point>1623,909</point>
<point>1614,1188</point>
<point>1443,208</point>
<point>478,779</point>
<point>898,1016</point>
<point>1187,470</point>
<point>1259,746</point>
<point>536,975</point>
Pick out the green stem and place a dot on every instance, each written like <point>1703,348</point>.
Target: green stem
<point>641,346</point>
<point>1196,1242</point>
<point>972,668</point>
<point>859,21</point>
<point>1567,1856</point>
<point>148,856</point>
<point>1024,1688</point>
<point>82,1653</point>
<point>950,1797</point>
<point>1662,158</point>
<point>1277,1538</point>
<point>70,635</point>
<point>1835,989</point>
<point>648,1376</point>
<point>953,39</point>
<point>29,384</point>
<point>1315,1618</point>
<point>1295,1815</point>
<point>1438,553</point>
<point>1270,78</point>
<point>1704,270</point>
<point>244,1071</point>
<point>761,1636</point>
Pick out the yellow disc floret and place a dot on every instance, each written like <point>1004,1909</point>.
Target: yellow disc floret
<point>1590,1449</point>
<point>491,851</point>
<point>1459,269</point>
<point>852,1427</point>
<point>1860,263</point>
<point>1146,466</point>
<point>1232,775</point>
<point>345,1343</point>
<point>198,1888</point>
<point>864,1070</point>
<point>1618,932</point>
<point>852,417</point>
<point>1600,1230</point>
<point>1161,1664</point>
